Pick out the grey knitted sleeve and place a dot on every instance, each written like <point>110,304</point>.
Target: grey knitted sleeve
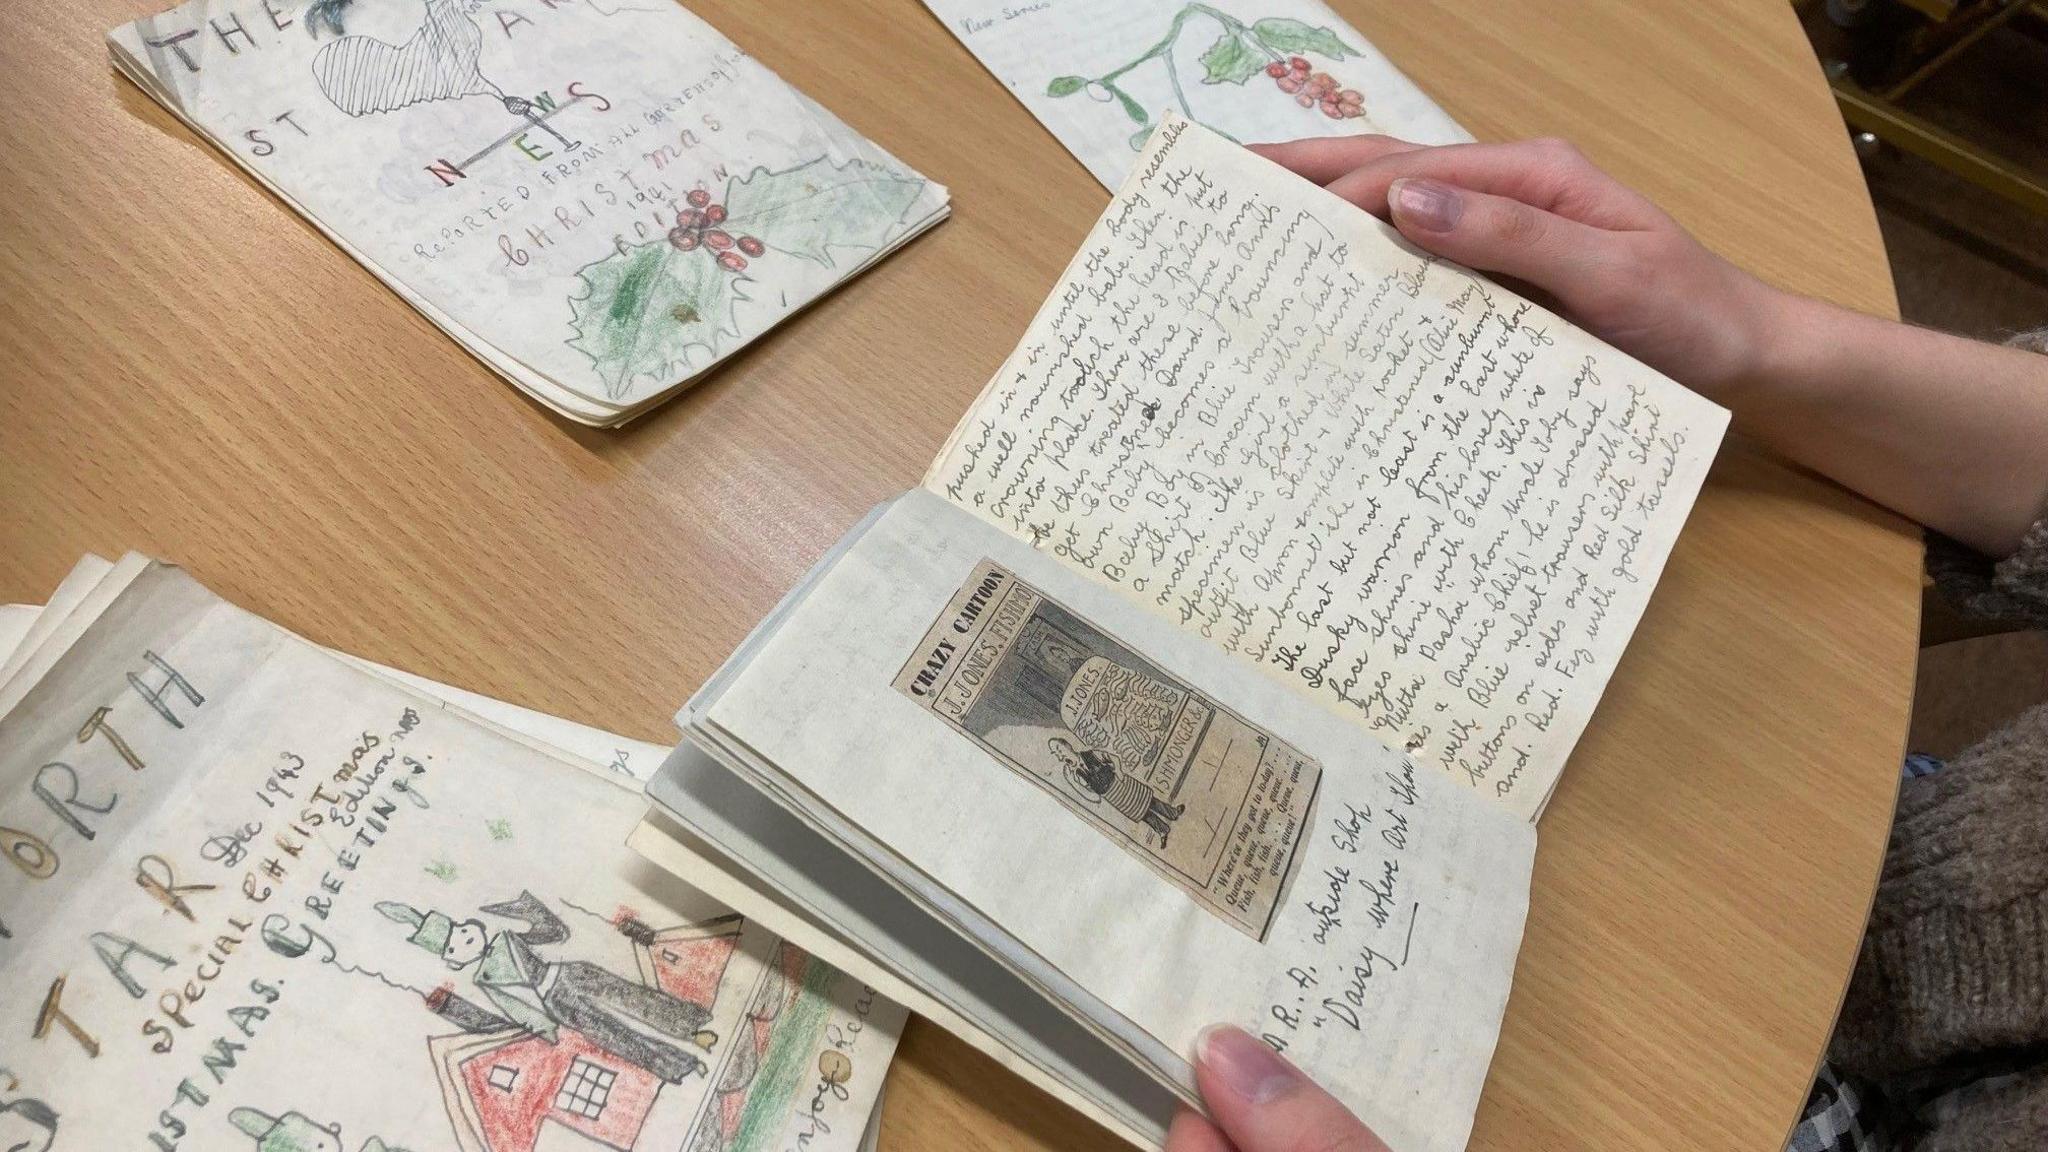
<point>1956,956</point>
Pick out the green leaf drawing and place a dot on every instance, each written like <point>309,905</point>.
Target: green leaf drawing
<point>645,308</point>
<point>642,311</point>
<point>1292,37</point>
<point>1066,85</point>
<point>1232,59</point>
<point>1132,108</point>
<point>1139,138</point>
<point>808,210</point>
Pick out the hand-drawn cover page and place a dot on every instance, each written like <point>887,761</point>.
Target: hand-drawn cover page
<point>256,899</point>
<point>1100,73</point>
<point>607,190</point>
<point>1213,803</point>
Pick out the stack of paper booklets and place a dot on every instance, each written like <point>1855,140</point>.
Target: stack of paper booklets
<point>600,200</point>
<point>1220,669</point>
<point>262,896</point>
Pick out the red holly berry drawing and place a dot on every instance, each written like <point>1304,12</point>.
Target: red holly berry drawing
<point>1279,46</point>
<point>1312,89</point>
<point>697,227</point>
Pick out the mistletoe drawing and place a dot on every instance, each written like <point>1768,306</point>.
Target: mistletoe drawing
<point>644,308</point>
<point>1277,46</point>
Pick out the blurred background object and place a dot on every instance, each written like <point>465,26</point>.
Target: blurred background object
<point>1948,103</point>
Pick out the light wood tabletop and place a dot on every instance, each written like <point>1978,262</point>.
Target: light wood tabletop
<point>193,372</point>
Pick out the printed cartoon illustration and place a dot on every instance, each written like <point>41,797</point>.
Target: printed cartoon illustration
<point>27,1125</point>
<point>1210,802</point>
<point>1095,775</point>
<point>297,1132</point>
<point>1276,46</point>
<point>648,1027</point>
<point>645,308</point>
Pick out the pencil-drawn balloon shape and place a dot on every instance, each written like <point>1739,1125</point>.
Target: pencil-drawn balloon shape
<point>440,61</point>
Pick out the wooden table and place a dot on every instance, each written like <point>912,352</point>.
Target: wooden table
<point>191,371</point>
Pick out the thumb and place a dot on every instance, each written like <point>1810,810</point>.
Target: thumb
<point>1498,234</point>
<point>1265,1104</point>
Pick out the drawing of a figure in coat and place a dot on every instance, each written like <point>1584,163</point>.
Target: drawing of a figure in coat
<point>645,1026</point>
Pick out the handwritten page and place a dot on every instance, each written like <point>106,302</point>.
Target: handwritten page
<point>255,898</point>
<point>1420,499</point>
<point>1385,967</point>
<point>598,198</point>
<point>1100,74</point>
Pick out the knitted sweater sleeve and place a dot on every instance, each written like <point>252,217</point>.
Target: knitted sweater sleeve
<point>1956,956</point>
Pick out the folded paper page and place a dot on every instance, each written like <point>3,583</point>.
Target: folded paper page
<point>254,895</point>
<point>1043,817</point>
<point>599,200</point>
<point>1413,495</point>
<point>1101,73</point>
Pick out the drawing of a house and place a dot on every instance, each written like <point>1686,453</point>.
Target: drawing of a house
<point>507,1090</point>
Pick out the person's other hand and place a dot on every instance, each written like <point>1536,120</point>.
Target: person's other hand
<point>1261,1103</point>
<point>1540,212</point>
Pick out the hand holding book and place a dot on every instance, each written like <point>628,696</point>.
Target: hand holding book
<point>1258,1102</point>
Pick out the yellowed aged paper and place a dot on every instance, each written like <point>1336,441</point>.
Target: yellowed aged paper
<point>1419,499</point>
<point>1387,963</point>
<point>233,861</point>
<point>1210,801</point>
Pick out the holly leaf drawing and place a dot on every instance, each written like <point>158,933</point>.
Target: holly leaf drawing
<point>1292,38</point>
<point>1232,59</point>
<point>808,210</point>
<point>642,311</point>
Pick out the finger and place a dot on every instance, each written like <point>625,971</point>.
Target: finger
<point>1264,1104</point>
<point>1323,159</point>
<point>1192,1133</point>
<point>1496,234</point>
<point>1547,174</point>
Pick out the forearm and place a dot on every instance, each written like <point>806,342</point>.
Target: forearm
<point>1950,432</point>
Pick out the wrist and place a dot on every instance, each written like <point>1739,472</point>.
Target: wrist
<point>1769,327</point>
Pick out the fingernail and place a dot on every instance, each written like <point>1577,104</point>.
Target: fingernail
<point>1244,1063</point>
<point>1425,204</point>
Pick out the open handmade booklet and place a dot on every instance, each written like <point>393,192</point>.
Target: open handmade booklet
<point>1100,73</point>
<point>264,898</point>
<point>600,200</point>
<point>1220,669</point>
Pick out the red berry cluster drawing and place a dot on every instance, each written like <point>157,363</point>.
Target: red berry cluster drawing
<point>1279,46</point>
<point>697,226</point>
<point>1316,89</point>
